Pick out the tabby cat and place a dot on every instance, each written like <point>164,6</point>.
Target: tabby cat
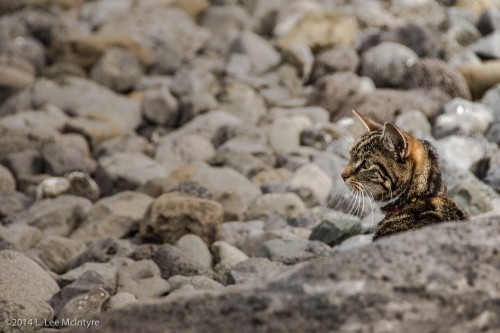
<point>402,172</point>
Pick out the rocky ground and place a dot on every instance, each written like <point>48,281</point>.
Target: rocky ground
<point>174,165</point>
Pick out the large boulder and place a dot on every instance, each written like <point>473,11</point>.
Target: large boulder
<point>438,279</point>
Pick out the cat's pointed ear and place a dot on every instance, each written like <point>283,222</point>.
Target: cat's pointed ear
<point>368,124</point>
<point>395,140</point>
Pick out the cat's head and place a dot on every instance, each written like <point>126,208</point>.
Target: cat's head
<point>382,160</point>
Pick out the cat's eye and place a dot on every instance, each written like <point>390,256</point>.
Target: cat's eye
<point>364,165</point>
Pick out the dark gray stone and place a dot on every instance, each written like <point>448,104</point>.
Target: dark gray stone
<point>173,261</point>
<point>489,21</point>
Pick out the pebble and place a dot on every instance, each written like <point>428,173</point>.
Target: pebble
<point>261,53</point>
<point>286,204</point>
<point>142,279</point>
<point>292,252</point>
<point>254,270</point>
<point>226,254</point>
<point>172,261</point>
<point>120,300</point>
<point>57,252</point>
<point>314,179</point>
<point>84,306</point>
<point>195,248</point>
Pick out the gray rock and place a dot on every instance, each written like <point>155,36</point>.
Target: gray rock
<point>107,270</point>
<point>355,242</point>
<point>293,251</point>
<point>88,281</point>
<point>284,133</point>
<point>129,142</point>
<point>74,183</point>
<point>286,204</point>
<point>310,177</point>
<point>58,216</point>
<point>57,252</point>
<point>26,289</point>
<point>127,171</point>
<point>13,203</point>
<point>196,249</point>
<point>493,134</point>
<point>245,163</point>
<point>167,59</point>
<point>98,13</point>
<point>242,101</point>
<point>141,279</point>
<point>172,215</point>
<point>415,123</point>
<point>387,63</point>
<point>65,156</point>
<point>340,59</point>
<point>462,152</point>
<point>463,117</point>
<point>254,270</point>
<point>197,282</point>
<point>84,306</point>
<point>103,250</point>
<point>25,162</point>
<point>376,277</point>
<point>117,69</point>
<point>436,74</point>
<point>488,47</point>
<point>50,118</point>
<point>262,54</point>
<point>7,181</point>
<point>335,227</point>
<point>173,261</point>
<point>314,113</point>
<point>127,203</point>
<point>21,236</point>
<point>174,151</point>
<point>227,255</point>
<point>160,107</point>
<point>101,224</point>
<point>235,233</point>
<point>120,300</point>
<point>491,98</point>
<point>302,58</point>
<point>493,178</point>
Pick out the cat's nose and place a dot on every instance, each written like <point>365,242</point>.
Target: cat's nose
<point>346,173</point>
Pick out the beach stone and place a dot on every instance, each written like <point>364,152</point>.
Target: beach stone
<point>88,281</point>
<point>335,228</point>
<point>272,176</point>
<point>107,270</point>
<point>415,123</point>
<point>245,163</point>
<point>129,142</point>
<point>461,151</point>
<point>242,101</point>
<point>492,99</point>
<point>493,178</point>
<point>127,171</point>
<point>141,279</point>
<point>385,104</point>
<point>58,216</point>
<point>488,47</point>
<point>227,255</point>
<point>314,113</point>
<point>489,21</point>
<point>481,77</point>
<point>84,306</point>
<point>103,250</point>
<point>433,73</point>
<point>196,249</point>
<point>197,282</point>
<point>17,74</point>
<point>173,261</point>
<point>120,300</point>
<point>284,133</point>
<point>127,203</point>
<point>331,91</point>
<point>463,117</point>
<point>101,224</point>
<point>355,242</point>
<point>172,215</point>
<point>117,69</point>
<point>319,30</point>
<point>67,155</point>
<point>22,237</point>
<point>50,117</point>
<point>262,54</point>
<point>7,180</point>
<point>340,59</point>
<point>233,205</point>
<point>254,270</point>
<point>57,252</point>
<point>493,134</point>
<point>26,289</point>
<point>160,107</point>
<point>290,252</point>
<point>312,178</point>
<point>301,58</point>
<point>13,203</point>
<point>174,151</point>
<point>286,204</point>
<point>151,23</point>
<point>236,233</point>
<point>98,13</point>
<point>387,64</point>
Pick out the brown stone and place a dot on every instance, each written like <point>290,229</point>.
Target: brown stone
<point>481,77</point>
<point>172,215</point>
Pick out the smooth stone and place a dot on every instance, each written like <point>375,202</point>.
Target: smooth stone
<point>493,134</point>
<point>57,252</point>
<point>174,151</point>
<point>130,142</point>
<point>172,261</point>
<point>493,178</point>
<point>127,171</point>
<point>100,224</point>
<point>21,236</point>
<point>314,179</point>
<point>415,123</point>
<point>491,99</point>
<point>481,77</point>
<point>463,117</point>
<point>489,21</point>
<point>433,73</point>
<point>302,58</point>
<point>69,154</point>
<point>284,133</point>
<point>172,215</point>
<point>226,254</point>
<point>25,162</point>
<point>107,270</point>
<point>314,113</point>
<point>120,300</point>
<point>127,203</point>
<point>85,306</point>
<point>461,151</point>
<point>7,180</point>
<point>488,47</point>
<point>388,63</point>
<point>261,53</point>
<point>236,233</point>
<point>26,290</point>
<point>161,107</point>
<point>335,227</point>
<point>254,270</point>
<point>298,250</point>
<point>272,176</point>
<point>243,101</point>
<point>51,117</point>
<point>12,204</point>
<point>355,242</point>
<point>142,279</point>
<point>103,250</point>
<point>57,216</point>
<point>117,69</point>
<point>286,204</point>
<point>340,59</point>
<point>195,248</point>
<point>245,163</point>
<point>197,282</point>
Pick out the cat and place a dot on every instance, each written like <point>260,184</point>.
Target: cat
<point>402,172</point>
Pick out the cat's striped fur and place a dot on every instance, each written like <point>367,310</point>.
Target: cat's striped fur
<point>402,172</point>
